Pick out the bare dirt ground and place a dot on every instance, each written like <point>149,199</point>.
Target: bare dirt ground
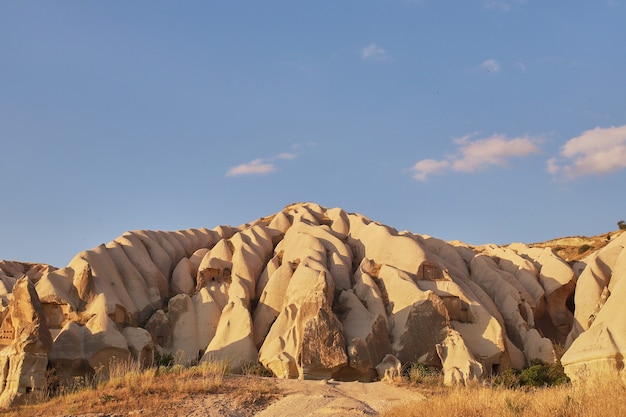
<point>303,398</point>
<point>332,398</point>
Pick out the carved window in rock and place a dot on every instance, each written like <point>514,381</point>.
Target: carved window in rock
<point>430,272</point>
<point>6,334</point>
<point>457,309</point>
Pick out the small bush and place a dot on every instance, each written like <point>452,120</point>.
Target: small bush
<point>418,373</point>
<point>621,224</point>
<point>166,360</point>
<point>540,374</point>
<point>509,378</point>
<point>583,248</point>
<point>257,369</point>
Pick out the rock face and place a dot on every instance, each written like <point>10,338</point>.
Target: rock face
<point>597,341</point>
<point>310,292</point>
<point>24,360</point>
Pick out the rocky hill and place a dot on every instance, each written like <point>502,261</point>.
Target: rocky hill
<point>314,293</point>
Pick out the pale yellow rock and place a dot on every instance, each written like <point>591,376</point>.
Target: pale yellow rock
<point>274,263</point>
<point>303,341</point>
<point>368,292</point>
<point>187,241</point>
<point>183,278</point>
<point>598,351</point>
<point>558,280</point>
<point>133,281</point>
<point>109,284</point>
<point>514,309</point>
<point>459,365</point>
<point>389,369</point>
<point>6,288</point>
<point>208,313</point>
<point>280,223</point>
<point>366,335</point>
<point>233,338</point>
<point>419,319</point>
<point>524,271</point>
<point>24,358</point>
<point>155,280</point>
<point>322,244</point>
<point>339,221</point>
<point>595,284</point>
<point>161,331</point>
<point>384,245</point>
<point>140,345</point>
<point>271,302</point>
<point>196,258</point>
<point>183,321</point>
<point>161,252</point>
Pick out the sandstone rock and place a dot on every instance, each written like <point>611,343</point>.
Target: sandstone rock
<point>599,350</point>
<point>459,365</point>
<point>318,293</point>
<point>233,337</point>
<point>140,345</point>
<point>183,278</point>
<point>389,369</point>
<point>25,343</point>
<point>366,334</point>
<point>185,346</point>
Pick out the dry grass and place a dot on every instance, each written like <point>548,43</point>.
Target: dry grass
<point>599,399</point>
<point>126,389</point>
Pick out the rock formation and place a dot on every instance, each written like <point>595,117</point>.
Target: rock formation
<point>310,292</point>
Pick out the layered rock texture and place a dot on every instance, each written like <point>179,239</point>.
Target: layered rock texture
<point>309,292</point>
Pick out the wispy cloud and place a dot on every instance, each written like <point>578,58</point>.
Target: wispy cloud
<point>426,167</point>
<point>503,5</point>
<point>595,152</point>
<point>373,52</point>
<point>254,167</point>
<point>286,155</point>
<point>491,65</point>
<point>260,166</point>
<point>478,154</point>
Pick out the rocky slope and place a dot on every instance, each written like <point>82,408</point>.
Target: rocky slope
<point>310,293</point>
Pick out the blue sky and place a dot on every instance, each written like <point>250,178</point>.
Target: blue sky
<point>483,121</point>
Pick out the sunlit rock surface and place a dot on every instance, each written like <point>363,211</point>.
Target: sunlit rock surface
<point>312,293</point>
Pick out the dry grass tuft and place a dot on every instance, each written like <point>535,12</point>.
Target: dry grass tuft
<point>124,387</point>
<point>595,399</point>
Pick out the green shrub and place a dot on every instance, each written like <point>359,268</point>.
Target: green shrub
<point>621,224</point>
<point>166,360</point>
<point>257,369</point>
<point>583,248</point>
<point>540,374</point>
<point>509,378</point>
<point>419,373</point>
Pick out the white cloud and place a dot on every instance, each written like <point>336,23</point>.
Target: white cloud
<point>286,155</point>
<point>597,151</point>
<point>427,167</point>
<point>491,65</point>
<point>495,150</point>
<point>503,5</point>
<point>260,166</point>
<point>373,52</point>
<point>479,154</point>
<point>255,167</point>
